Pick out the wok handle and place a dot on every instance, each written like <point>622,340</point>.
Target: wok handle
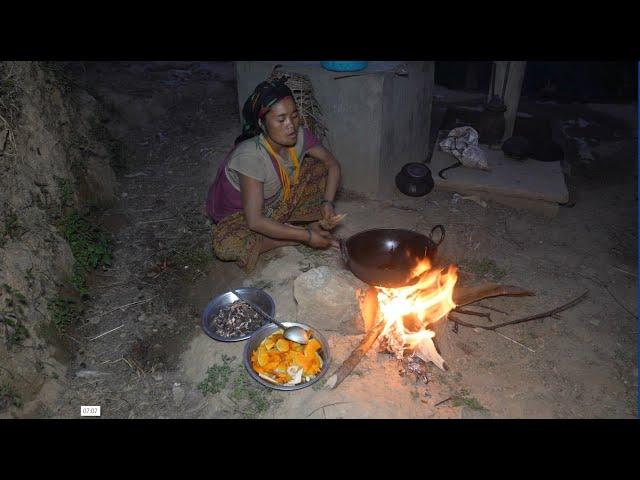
<point>437,227</point>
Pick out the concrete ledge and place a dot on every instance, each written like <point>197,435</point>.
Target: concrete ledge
<point>527,179</point>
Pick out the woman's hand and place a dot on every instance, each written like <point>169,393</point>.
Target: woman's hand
<point>319,239</point>
<point>327,210</point>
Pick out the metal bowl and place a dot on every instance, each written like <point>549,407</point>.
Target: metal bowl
<point>264,332</point>
<point>255,295</point>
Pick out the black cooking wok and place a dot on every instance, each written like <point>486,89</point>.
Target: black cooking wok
<point>384,257</point>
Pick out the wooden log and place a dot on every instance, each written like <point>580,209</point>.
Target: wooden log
<point>466,295</point>
<point>350,363</point>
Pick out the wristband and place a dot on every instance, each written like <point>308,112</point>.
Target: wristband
<point>324,200</point>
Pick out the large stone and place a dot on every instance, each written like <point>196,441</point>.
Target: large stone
<point>328,299</point>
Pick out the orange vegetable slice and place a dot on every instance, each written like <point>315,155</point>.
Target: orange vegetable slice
<point>273,363</point>
<point>312,347</point>
<point>263,358</point>
<point>302,361</point>
<point>282,345</point>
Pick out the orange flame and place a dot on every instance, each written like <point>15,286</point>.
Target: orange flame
<point>427,301</point>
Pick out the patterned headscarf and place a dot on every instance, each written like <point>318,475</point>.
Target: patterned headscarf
<point>259,103</point>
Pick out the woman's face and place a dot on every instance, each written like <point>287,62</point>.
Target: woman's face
<point>282,121</point>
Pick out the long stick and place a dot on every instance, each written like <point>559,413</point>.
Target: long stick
<point>525,319</point>
<point>493,309</point>
<point>323,406</point>
<point>619,303</point>
<point>471,312</point>
<point>515,341</point>
<point>156,221</point>
<point>349,364</point>
<point>103,334</point>
<point>124,306</point>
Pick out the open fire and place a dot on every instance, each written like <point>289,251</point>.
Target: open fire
<point>409,311</point>
<point>406,318</point>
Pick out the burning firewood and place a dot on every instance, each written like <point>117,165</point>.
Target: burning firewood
<point>424,347</point>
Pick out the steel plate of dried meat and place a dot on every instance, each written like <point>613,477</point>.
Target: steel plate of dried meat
<point>236,319</point>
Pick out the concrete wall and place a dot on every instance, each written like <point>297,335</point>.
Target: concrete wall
<point>376,122</point>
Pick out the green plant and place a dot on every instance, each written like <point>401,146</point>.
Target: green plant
<point>20,334</point>
<point>64,312</point>
<point>251,399</point>
<point>319,385</point>
<point>9,395</point>
<point>30,277</point>
<point>487,267</point>
<point>463,399</point>
<point>12,315</point>
<point>194,257</point>
<point>65,187</point>
<point>89,245</point>
<point>11,228</point>
<point>9,107</point>
<point>79,281</point>
<point>217,377</point>
<point>59,75</point>
<point>79,163</point>
<point>7,85</point>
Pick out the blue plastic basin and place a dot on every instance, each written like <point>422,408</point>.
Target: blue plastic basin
<point>344,66</point>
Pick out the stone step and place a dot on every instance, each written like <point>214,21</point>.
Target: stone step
<point>524,179</point>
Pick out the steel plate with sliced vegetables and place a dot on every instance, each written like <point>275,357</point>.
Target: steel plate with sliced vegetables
<point>282,361</point>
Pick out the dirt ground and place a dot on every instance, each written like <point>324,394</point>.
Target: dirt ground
<point>178,121</point>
